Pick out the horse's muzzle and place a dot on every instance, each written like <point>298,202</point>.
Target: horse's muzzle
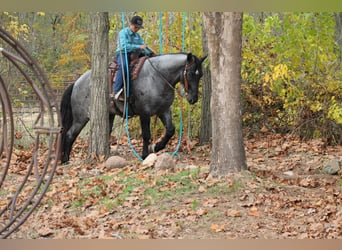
<point>192,99</point>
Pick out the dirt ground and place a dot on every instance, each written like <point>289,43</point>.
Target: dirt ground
<point>284,194</point>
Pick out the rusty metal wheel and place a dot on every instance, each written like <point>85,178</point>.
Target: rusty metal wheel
<point>22,190</point>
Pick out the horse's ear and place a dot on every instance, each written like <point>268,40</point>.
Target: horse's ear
<point>203,58</point>
<point>189,58</point>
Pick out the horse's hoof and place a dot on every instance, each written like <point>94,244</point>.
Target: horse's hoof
<point>64,161</point>
<point>152,148</point>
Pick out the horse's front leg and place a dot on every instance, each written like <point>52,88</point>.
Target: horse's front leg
<point>111,122</point>
<point>146,134</point>
<point>166,119</point>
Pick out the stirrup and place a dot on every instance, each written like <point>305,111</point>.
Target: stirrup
<point>118,94</point>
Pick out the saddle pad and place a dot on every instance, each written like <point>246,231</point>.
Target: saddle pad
<point>136,67</point>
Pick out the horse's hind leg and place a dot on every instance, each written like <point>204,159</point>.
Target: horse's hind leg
<point>70,138</point>
<point>146,134</point>
<point>166,119</point>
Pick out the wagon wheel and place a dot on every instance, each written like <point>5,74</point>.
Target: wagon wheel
<point>36,173</point>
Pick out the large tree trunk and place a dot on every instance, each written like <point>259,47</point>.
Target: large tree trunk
<point>99,100</point>
<point>205,129</point>
<point>224,42</point>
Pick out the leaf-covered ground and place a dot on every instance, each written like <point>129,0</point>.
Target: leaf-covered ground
<point>284,194</point>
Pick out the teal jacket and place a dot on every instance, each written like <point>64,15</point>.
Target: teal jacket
<point>130,41</point>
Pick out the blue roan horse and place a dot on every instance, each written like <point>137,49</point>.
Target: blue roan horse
<point>152,93</point>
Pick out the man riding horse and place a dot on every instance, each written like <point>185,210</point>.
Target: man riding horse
<point>130,45</point>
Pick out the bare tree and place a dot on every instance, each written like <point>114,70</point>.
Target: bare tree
<point>224,42</point>
<point>205,129</point>
<point>99,100</point>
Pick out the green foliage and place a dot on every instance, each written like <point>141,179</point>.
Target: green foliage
<point>60,42</point>
<point>291,70</point>
<point>291,74</point>
<point>13,25</point>
<point>76,49</point>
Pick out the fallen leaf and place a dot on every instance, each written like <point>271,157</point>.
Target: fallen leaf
<point>202,189</point>
<point>18,135</point>
<point>233,213</point>
<point>45,232</point>
<point>201,212</point>
<point>217,228</point>
<point>253,211</point>
<point>211,202</point>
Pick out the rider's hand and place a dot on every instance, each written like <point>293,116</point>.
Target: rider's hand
<point>143,47</point>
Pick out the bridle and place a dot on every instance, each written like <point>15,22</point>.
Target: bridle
<point>185,82</point>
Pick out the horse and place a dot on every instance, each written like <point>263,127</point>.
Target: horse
<point>151,93</point>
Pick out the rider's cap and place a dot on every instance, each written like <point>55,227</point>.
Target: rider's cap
<point>137,22</point>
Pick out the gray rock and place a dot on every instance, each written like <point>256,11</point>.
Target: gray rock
<point>165,161</point>
<point>332,167</point>
<point>115,162</point>
<point>150,160</point>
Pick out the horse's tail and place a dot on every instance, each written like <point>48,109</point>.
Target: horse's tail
<point>66,113</point>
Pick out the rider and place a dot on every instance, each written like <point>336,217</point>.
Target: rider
<point>129,42</point>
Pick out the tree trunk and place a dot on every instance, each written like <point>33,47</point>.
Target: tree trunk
<point>99,98</point>
<point>224,42</point>
<point>205,129</point>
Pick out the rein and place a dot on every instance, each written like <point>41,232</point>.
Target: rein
<point>185,82</point>
<point>160,73</point>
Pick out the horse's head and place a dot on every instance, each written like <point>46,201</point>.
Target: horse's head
<point>191,76</point>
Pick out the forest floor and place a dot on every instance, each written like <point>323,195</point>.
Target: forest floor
<point>284,194</point>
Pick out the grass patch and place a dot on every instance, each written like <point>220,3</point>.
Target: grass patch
<point>223,188</point>
<point>147,188</point>
<point>110,192</point>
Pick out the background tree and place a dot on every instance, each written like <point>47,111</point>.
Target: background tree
<point>224,41</point>
<point>338,17</point>
<point>99,98</point>
<point>205,127</point>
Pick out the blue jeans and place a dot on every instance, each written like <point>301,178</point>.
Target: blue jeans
<point>118,83</point>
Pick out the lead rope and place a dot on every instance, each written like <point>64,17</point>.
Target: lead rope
<point>123,72</point>
<point>188,140</point>
<point>125,103</point>
<point>181,97</point>
<point>160,53</point>
<point>126,94</point>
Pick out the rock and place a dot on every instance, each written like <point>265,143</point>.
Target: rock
<point>165,161</point>
<point>332,167</point>
<point>115,162</point>
<point>150,160</point>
